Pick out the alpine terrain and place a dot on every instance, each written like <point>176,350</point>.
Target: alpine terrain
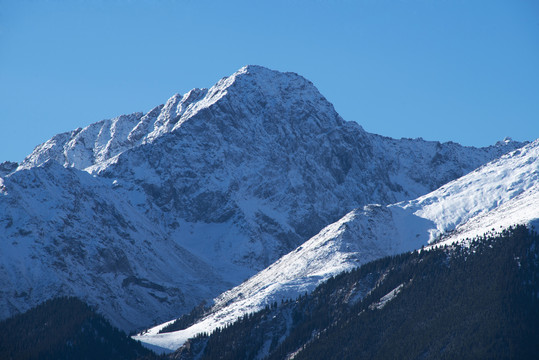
<point>147,215</point>
<point>463,301</point>
<point>494,197</point>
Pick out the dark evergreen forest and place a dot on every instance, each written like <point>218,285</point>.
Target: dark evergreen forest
<point>65,328</point>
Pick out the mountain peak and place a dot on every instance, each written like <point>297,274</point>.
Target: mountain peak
<point>258,70</point>
<point>265,75</point>
<point>269,82</point>
<point>252,68</point>
<point>251,95</point>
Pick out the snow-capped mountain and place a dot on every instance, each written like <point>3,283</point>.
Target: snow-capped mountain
<point>502,193</point>
<point>147,214</point>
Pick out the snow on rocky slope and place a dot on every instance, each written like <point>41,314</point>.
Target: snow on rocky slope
<point>501,182</point>
<point>262,155</point>
<point>64,232</point>
<point>502,193</point>
<point>146,214</point>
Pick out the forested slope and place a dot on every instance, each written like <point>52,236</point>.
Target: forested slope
<point>65,328</point>
<point>451,302</point>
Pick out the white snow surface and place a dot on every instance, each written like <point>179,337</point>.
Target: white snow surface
<point>145,215</point>
<point>502,190</point>
<point>386,298</point>
<point>502,193</point>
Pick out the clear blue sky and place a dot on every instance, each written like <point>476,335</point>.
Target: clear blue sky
<point>465,71</point>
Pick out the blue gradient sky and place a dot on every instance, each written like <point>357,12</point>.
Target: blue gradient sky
<point>464,71</point>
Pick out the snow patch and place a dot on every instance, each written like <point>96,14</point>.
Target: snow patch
<point>384,300</point>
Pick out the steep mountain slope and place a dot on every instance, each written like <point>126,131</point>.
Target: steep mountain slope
<point>500,194</point>
<point>501,185</point>
<point>460,302</point>
<point>66,232</point>
<point>145,215</point>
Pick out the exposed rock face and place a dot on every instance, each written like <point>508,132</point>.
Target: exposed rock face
<point>7,167</point>
<point>145,215</point>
